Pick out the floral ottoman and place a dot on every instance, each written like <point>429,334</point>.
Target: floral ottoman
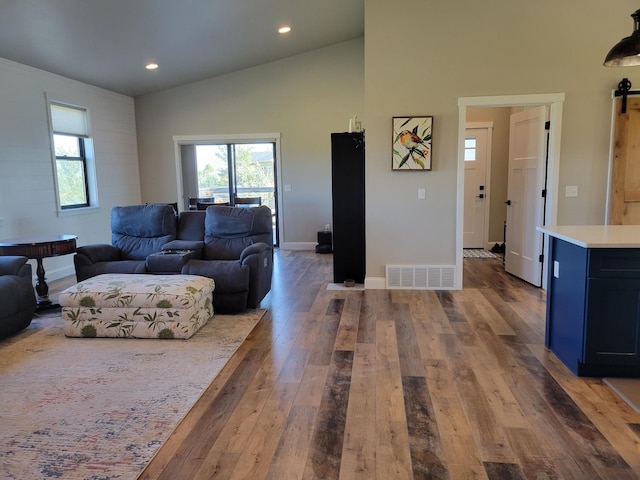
<point>137,306</point>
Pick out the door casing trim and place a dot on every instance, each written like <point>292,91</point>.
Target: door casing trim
<point>233,138</point>
<point>555,102</point>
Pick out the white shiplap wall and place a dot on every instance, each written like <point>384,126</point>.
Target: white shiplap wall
<point>27,196</point>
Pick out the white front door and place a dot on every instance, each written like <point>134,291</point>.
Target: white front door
<point>527,156</point>
<point>476,155</point>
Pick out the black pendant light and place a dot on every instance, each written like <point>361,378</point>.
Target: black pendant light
<point>626,52</point>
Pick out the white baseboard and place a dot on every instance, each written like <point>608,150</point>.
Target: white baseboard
<point>375,283</point>
<point>57,274</point>
<point>298,246</point>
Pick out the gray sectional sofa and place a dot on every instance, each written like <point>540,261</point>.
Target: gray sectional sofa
<point>232,245</point>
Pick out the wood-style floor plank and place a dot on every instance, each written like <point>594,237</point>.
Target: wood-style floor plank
<point>359,447</point>
<point>399,384</point>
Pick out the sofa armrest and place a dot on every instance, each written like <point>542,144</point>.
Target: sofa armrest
<point>11,265</point>
<point>256,248</point>
<point>259,258</point>
<point>180,245</point>
<point>170,261</point>
<point>99,252</point>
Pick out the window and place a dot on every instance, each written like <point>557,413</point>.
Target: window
<point>71,143</point>
<point>230,167</point>
<point>71,171</point>
<point>225,171</point>
<point>469,149</point>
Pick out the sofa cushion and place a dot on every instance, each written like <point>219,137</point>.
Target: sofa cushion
<point>139,230</point>
<point>191,225</point>
<point>98,268</point>
<point>100,252</point>
<point>229,230</point>
<point>225,248</point>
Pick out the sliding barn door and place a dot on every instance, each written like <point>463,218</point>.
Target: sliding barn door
<point>625,191</point>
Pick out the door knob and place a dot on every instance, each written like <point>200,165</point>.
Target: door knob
<point>480,196</point>
<point>508,202</point>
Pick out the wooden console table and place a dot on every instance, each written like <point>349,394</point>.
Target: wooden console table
<point>39,248</point>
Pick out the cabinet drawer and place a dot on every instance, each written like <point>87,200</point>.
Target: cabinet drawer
<point>614,263</point>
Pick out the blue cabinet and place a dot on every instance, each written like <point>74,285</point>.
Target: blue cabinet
<point>593,309</point>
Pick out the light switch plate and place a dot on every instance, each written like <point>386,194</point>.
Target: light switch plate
<point>421,194</point>
<point>571,191</point>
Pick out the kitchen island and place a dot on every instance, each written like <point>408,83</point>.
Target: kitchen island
<point>593,298</point>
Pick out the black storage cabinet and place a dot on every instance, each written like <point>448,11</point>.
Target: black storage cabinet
<point>347,181</point>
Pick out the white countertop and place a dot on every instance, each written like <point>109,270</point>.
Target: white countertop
<point>597,236</point>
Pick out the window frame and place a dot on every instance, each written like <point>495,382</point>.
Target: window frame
<point>89,163</point>
<point>192,140</point>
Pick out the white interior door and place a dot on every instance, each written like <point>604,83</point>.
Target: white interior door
<point>527,155</point>
<point>476,155</point>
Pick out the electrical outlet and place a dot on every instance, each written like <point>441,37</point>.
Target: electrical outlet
<point>287,188</point>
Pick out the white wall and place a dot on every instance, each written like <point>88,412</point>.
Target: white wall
<point>304,98</point>
<point>420,64</point>
<point>27,196</point>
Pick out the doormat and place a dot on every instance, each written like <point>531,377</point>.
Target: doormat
<point>477,253</point>
<point>626,388</point>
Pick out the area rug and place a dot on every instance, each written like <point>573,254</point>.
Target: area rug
<point>626,388</point>
<point>100,408</point>
<point>477,253</point>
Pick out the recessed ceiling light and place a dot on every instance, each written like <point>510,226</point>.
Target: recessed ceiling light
<point>151,66</point>
<point>285,29</point>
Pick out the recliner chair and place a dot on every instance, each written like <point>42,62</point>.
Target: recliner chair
<point>137,231</point>
<point>17,298</point>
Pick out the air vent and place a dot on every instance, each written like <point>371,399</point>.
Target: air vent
<point>421,277</point>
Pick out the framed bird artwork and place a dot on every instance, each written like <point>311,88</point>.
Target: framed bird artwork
<point>412,137</point>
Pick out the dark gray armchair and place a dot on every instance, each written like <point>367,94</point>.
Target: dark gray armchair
<point>137,231</point>
<point>237,254</point>
<point>17,298</point>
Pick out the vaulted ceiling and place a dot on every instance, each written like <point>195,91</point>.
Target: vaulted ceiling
<point>107,43</point>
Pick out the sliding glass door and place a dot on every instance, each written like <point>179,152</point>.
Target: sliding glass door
<point>228,171</point>
<point>237,170</point>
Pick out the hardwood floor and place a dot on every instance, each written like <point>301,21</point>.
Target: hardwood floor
<point>393,384</point>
